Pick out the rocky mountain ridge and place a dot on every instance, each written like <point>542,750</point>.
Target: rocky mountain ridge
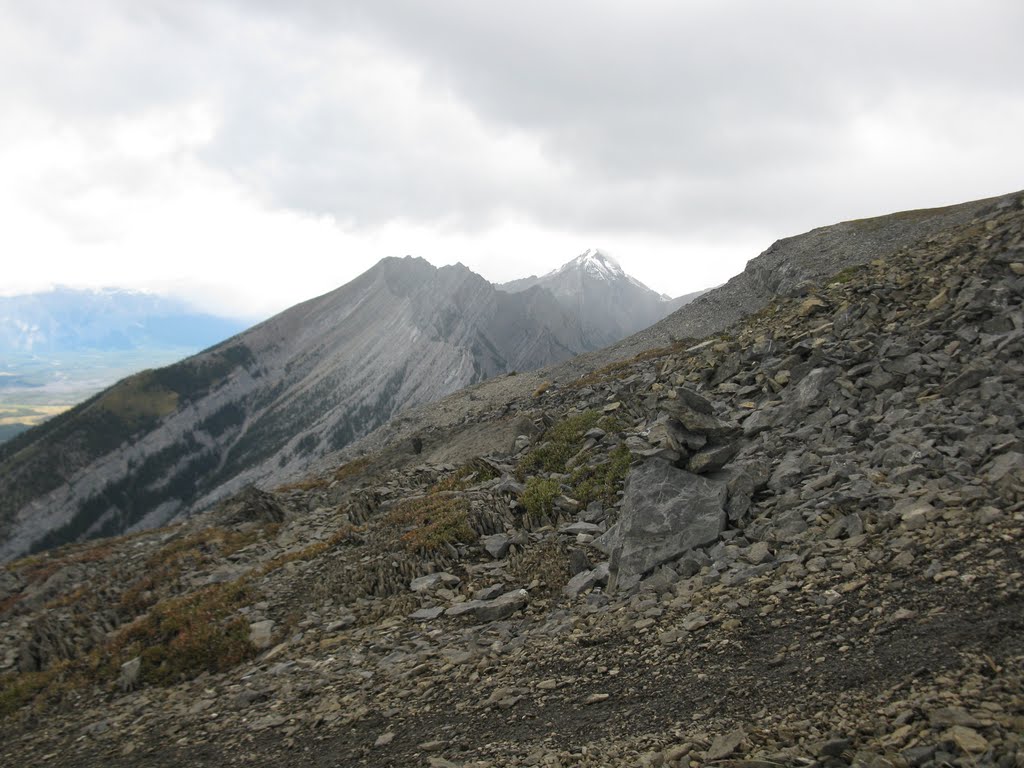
<point>789,267</point>
<point>267,401</point>
<point>797,543</point>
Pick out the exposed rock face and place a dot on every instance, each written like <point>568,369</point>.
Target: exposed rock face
<point>666,512</point>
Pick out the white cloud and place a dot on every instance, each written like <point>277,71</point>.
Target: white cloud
<point>249,155</point>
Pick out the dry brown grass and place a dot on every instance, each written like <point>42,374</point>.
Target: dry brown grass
<point>427,524</point>
<point>346,471</point>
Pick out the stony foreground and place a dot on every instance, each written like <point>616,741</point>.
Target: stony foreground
<point>799,544</point>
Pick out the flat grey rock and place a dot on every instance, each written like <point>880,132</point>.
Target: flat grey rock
<point>810,391</point>
<point>496,544</point>
<point>712,459</point>
<point>433,581</point>
<point>427,614</point>
<point>574,528</point>
<point>461,609</point>
<point>489,593</point>
<point>501,607</point>
<point>585,580</point>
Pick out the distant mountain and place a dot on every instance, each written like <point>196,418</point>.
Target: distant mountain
<point>60,347</point>
<point>266,402</point>
<point>609,303</point>
<point>66,320</point>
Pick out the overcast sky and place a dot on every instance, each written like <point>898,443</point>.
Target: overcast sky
<point>249,154</point>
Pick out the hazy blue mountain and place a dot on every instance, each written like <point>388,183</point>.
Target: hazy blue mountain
<point>59,347</point>
<point>66,320</point>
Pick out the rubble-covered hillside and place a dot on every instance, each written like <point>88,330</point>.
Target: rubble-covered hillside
<point>798,543</point>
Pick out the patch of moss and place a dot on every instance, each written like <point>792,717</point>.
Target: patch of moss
<point>464,476</point>
<point>183,637</point>
<point>18,690</point>
<point>180,637</point>
<point>344,535</point>
<point>164,566</point>
<point>602,482</point>
<point>538,498</point>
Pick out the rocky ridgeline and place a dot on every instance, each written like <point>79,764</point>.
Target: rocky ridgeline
<point>797,544</point>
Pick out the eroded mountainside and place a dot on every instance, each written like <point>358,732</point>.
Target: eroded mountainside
<point>797,543</point>
<point>266,402</point>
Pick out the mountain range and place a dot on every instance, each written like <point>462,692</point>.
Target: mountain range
<point>68,320</point>
<point>263,405</point>
<point>298,388</point>
<point>59,347</point>
<point>790,541</point>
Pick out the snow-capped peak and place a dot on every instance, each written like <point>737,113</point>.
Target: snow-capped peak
<point>597,264</point>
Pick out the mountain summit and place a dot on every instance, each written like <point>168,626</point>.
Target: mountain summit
<point>598,265</point>
<point>608,303</point>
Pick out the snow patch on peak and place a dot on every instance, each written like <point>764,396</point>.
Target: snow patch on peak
<point>597,264</point>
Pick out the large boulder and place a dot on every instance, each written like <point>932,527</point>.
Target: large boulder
<point>665,513</point>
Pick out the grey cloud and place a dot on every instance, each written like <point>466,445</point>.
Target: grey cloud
<point>658,117</point>
<point>758,96</point>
